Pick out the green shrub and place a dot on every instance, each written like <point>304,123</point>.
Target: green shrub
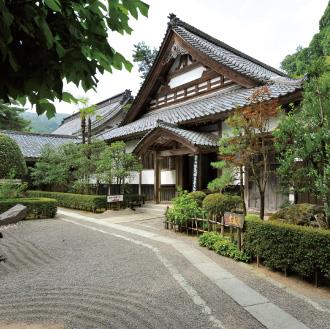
<point>285,246</point>
<point>38,208</point>
<point>252,216</point>
<point>12,162</point>
<point>217,204</point>
<point>302,214</point>
<point>183,208</point>
<point>223,246</point>
<point>94,203</point>
<point>11,188</point>
<point>198,196</point>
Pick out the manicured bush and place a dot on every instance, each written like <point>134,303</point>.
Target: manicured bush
<point>12,162</point>
<point>183,208</point>
<point>198,196</point>
<point>217,204</point>
<point>94,203</point>
<point>302,214</point>
<point>38,208</point>
<point>288,247</point>
<point>223,246</point>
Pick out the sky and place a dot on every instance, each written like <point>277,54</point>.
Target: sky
<point>265,29</point>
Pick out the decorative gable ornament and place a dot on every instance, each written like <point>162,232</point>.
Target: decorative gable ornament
<point>174,52</point>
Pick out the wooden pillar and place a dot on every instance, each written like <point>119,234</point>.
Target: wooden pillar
<point>178,170</point>
<point>140,182</point>
<point>156,177</point>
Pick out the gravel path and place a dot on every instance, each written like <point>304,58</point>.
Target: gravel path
<point>60,275</point>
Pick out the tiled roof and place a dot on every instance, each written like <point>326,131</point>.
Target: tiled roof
<point>204,107</point>
<point>31,144</point>
<point>223,53</point>
<point>202,140</point>
<point>105,112</point>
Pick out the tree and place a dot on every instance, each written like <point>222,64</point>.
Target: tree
<point>10,118</point>
<point>233,159</point>
<point>115,166</point>
<point>145,57</point>
<point>68,167</point>
<point>12,164</point>
<point>56,167</point>
<point>303,136</point>
<point>86,112</point>
<point>46,42</point>
<point>303,143</point>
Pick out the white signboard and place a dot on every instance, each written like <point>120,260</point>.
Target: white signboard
<point>115,198</point>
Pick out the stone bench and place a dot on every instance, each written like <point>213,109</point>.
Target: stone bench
<point>13,215</point>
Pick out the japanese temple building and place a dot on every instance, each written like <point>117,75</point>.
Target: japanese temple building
<point>178,115</point>
<point>174,123</point>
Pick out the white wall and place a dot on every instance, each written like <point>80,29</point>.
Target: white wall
<point>168,177</point>
<point>148,177</point>
<point>191,75</point>
<point>130,145</point>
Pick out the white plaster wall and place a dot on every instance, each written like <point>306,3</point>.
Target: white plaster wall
<point>148,177</point>
<point>167,177</point>
<point>181,79</point>
<point>130,145</point>
<point>134,179</point>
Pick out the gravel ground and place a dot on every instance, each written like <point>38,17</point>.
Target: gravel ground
<point>59,275</point>
<point>62,275</point>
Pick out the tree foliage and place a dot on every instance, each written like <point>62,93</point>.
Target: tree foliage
<point>145,57</point>
<point>45,42</point>
<point>12,164</point>
<point>303,136</point>
<point>68,167</point>
<point>116,166</point>
<point>10,118</point>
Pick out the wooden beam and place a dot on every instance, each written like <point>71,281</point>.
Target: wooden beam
<point>216,66</point>
<point>181,151</point>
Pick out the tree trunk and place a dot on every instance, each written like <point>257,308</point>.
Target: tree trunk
<point>262,204</point>
<point>109,189</point>
<point>83,130</point>
<point>89,131</point>
<point>241,187</point>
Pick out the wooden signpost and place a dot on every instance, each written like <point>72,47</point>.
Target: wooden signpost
<point>234,220</point>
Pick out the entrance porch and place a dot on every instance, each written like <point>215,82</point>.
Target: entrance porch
<point>178,157</point>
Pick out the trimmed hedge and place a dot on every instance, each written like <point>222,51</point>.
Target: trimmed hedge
<point>222,246</point>
<point>198,196</point>
<point>12,160</point>
<point>38,208</point>
<point>217,203</point>
<point>93,203</point>
<point>288,247</point>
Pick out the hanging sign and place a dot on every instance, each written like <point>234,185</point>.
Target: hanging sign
<point>115,198</point>
<point>195,173</point>
<point>233,219</point>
